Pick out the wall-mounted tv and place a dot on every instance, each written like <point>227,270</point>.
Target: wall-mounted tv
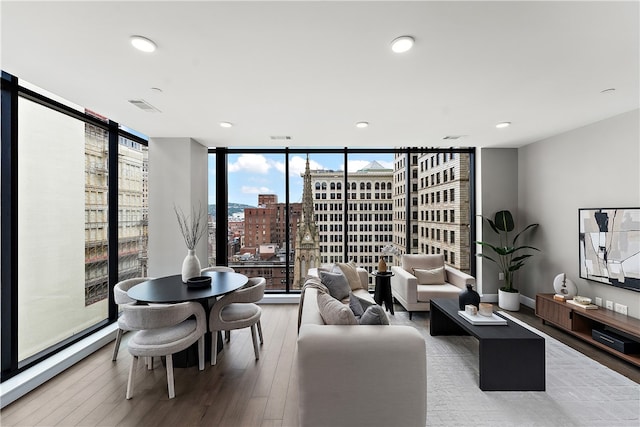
<point>610,246</point>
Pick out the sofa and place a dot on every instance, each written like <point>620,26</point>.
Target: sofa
<point>358,375</point>
<point>437,280</point>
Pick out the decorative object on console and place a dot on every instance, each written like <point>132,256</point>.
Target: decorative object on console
<point>193,228</point>
<point>565,288</point>
<point>508,257</point>
<point>582,304</point>
<point>610,246</point>
<point>476,319</point>
<point>469,297</point>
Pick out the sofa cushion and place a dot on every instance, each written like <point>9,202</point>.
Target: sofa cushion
<point>358,305</point>
<point>425,293</point>
<point>374,315</point>
<point>336,283</point>
<point>429,276</point>
<point>351,273</point>
<point>334,312</point>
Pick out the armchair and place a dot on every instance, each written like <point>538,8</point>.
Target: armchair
<point>416,295</point>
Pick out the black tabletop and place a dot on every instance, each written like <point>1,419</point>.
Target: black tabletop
<point>171,289</point>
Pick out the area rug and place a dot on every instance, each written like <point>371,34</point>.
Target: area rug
<point>579,390</point>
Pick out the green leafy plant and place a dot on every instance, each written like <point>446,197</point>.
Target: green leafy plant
<point>192,227</point>
<point>506,254</point>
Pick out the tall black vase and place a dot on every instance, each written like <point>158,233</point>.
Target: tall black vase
<point>469,297</point>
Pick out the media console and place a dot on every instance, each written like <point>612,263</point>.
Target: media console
<point>581,322</point>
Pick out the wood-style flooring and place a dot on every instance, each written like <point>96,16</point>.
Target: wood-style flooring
<point>238,391</point>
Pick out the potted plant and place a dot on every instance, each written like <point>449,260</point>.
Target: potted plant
<point>193,228</point>
<point>507,256</point>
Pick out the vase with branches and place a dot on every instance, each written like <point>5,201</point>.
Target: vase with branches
<point>192,227</point>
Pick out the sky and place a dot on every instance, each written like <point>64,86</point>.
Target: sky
<point>253,174</point>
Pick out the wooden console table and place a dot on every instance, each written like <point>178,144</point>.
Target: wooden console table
<point>580,322</point>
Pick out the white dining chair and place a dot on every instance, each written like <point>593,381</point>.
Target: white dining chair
<point>163,330</point>
<point>120,297</point>
<point>238,310</point>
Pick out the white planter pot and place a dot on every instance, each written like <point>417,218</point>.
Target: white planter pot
<point>190,266</point>
<point>509,300</point>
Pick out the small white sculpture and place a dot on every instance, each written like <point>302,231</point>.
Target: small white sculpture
<point>564,287</point>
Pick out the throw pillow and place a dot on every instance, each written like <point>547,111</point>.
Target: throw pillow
<point>374,315</point>
<point>358,305</point>
<point>336,283</point>
<point>333,312</point>
<point>434,276</point>
<point>351,273</point>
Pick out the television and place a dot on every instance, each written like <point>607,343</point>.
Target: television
<point>609,251</point>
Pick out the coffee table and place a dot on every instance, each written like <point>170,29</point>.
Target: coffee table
<point>511,357</point>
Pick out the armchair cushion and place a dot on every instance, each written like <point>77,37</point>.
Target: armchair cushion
<point>336,283</point>
<point>333,312</point>
<point>409,262</point>
<point>430,276</point>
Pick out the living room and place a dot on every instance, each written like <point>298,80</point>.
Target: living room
<point>571,98</point>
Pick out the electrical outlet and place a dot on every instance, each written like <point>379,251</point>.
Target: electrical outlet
<point>500,276</point>
<point>619,308</point>
<point>599,301</point>
<point>609,305</point>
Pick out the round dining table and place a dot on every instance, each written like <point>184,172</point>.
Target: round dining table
<point>171,289</point>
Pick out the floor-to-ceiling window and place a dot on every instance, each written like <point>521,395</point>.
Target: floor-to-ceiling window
<point>74,197</point>
<point>289,210</point>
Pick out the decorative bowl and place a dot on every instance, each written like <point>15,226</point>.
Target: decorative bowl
<point>199,282</point>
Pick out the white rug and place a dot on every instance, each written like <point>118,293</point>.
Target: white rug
<point>579,390</point>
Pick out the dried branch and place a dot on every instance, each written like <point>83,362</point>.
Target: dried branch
<point>192,227</point>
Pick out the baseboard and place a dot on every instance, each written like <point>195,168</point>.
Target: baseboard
<point>21,384</point>
<point>280,299</point>
<point>493,298</point>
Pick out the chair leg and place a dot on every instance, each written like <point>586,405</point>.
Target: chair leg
<point>117,344</point>
<point>214,347</point>
<point>260,332</point>
<point>201,352</point>
<point>410,314</point>
<point>255,341</point>
<point>170,383</point>
<point>227,335</point>
<point>130,382</point>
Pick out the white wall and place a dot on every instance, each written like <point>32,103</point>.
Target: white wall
<point>177,175</point>
<point>590,167</point>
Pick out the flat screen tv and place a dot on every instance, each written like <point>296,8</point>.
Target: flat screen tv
<point>609,250</point>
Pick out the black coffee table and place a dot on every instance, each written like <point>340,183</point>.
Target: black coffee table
<point>511,357</point>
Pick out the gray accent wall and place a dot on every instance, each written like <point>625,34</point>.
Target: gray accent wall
<point>596,166</point>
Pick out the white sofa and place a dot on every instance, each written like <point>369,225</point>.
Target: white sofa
<point>416,297</point>
<point>359,375</point>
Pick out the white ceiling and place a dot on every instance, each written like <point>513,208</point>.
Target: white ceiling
<point>311,70</point>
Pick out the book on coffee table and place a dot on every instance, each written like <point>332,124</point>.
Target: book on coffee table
<point>482,320</point>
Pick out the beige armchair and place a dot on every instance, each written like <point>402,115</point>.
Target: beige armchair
<point>422,277</point>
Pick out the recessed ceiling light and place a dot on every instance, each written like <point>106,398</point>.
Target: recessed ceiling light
<point>503,125</point>
<point>226,124</point>
<point>142,43</point>
<point>611,89</point>
<point>362,125</point>
<point>402,44</point>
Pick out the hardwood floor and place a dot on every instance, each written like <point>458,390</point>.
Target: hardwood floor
<point>238,391</point>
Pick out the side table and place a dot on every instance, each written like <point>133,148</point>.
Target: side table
<point>382,292</point>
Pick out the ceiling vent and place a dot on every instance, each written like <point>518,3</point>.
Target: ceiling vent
<point>280,138</point>
<point>144,105</point>
<point>454,136</point>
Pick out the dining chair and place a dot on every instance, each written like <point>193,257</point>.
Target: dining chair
<point>237,310</point>
<point>120,297</point>
<point>218,268</point>
<point>163,330</point>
